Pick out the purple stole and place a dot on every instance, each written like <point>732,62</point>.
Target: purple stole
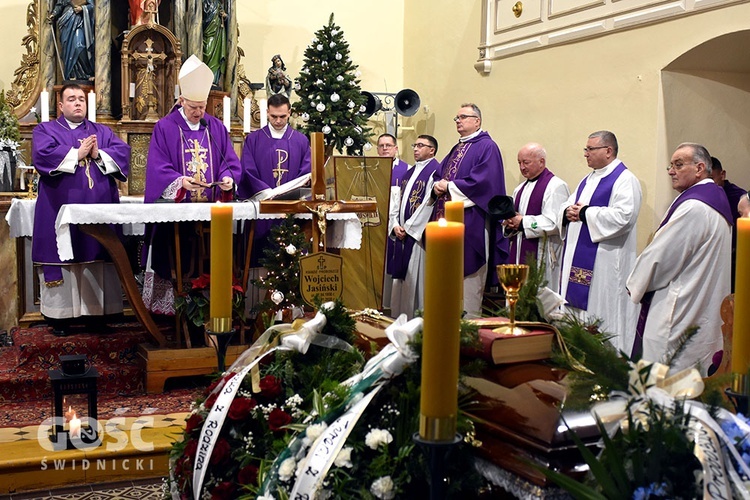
<point>402,248</point>
<point>398,171</point>
<point>582,268</point>
<point>534,208</point>
<point>713,196</point>
<point>449,173</point>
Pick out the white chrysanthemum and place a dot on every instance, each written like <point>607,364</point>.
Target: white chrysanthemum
<point>287,469</point>
<point>376,437</point>
<point>382,488</point>
<point>266,497</point>
<point>344,458</point>
<point>315,430</point>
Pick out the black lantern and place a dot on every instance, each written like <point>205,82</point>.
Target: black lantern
<point>75,423</point>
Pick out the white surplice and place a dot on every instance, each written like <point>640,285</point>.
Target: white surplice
<point>537,226</point>
<point>407,295</point>
<point>613,227</point>
<point>687,265</point>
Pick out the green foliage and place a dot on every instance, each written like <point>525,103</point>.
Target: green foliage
<point>329,78</point>
<point>527,307</point>
<point>8,121</point>
<point>194,302</point>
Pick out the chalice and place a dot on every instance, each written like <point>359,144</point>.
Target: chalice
<point>512,277</point>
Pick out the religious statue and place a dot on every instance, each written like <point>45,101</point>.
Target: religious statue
<point>215,38</point>
<point>276,81</point>
<point>144,12</point>
<point>75,27</point>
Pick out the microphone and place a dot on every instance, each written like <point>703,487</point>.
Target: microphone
<point>204,123</point>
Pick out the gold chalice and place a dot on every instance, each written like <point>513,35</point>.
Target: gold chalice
<point>512,277</point>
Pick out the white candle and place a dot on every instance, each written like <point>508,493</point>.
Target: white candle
<point>247,104</point>
<point>75,426</point>
<point>92,106</point>
<point>132,90</point>
<point>263,105</point>
<point>44,104</point>
<point>176,92</point>
<point>227,105</point>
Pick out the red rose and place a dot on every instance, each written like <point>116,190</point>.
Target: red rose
<point>278,419</point>
<point>190,449</point>
<point>241,408</point>
<point>210,400</point>
<point>223,491</point>
<point>270,386</point>
<point>221,452</point>
<point>194,422</point>
<point>219,381</point>
<point>248,475</point>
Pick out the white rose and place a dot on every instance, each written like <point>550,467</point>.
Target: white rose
<point>287,468</point>
<point>344,458</point>
<point>383,488</point>
<point>376,437</point>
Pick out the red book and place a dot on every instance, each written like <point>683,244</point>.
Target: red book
<point>499,348</point>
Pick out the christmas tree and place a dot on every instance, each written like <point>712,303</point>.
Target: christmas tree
<point>286,244</point>
<point>331,100</point>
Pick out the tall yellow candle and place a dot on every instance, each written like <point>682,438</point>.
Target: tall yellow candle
<point>454,211</point>
<point>741,329</point>
<point>221,268</point>
<point>444,269</point>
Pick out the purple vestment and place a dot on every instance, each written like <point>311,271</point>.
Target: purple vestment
<point>173,144</point>
<point>269,162</point>
<point>398,171</point>
<point>476,168</point>
<point>88,184</point>
<point>534,207</point>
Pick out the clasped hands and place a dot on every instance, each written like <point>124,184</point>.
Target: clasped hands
<point>89,147</point>
<point>226,184</point>
<point>573,212</point>
<point>514,223</point>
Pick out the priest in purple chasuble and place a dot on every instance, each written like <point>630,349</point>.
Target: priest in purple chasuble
<point>387,147</point>
<point>536,201</point>
<point>597,223</point>
<point>272,156</point>
<point>407,220</point>
<point>78,162</point>
<point>682,276</point>
<point>190,159</point>
<point>473,173</point>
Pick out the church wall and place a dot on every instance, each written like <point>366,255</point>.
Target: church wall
<point>559,95</point>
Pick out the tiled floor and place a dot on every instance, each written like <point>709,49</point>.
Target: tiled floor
<point>146,489</point>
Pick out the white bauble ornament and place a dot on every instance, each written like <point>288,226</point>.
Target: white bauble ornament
<point>305,116</point>
<point>291,249</point>
<point>318,82</point>
<point>350,104</point>
<point>362,109</point>
<point>338,56</point>
<point>367,146</point>
<point>339,78</point>
<point>277,297</point>
<point>320,46</point>
<point>332,44</point>
<point>320,107</point>
<point>326,129</point>
<point>335,97</point>
<point>348,141</point>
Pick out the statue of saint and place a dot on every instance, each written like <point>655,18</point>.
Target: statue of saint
<point>276,81</point>
<point>144,12</point>
<point>75,28</point>
<point>215,38</point>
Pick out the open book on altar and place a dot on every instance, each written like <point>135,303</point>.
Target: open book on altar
<point>284,191</point>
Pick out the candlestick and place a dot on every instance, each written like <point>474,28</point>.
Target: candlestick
<point>92,106</point>
<point>75,426</point>
<point>44,105</point>
<point>226,111</point>
<point>454,211</point>
<point>741,329</point>
<point>221,268</point>
<point>263,105</point>
<point>247,105</point>
<point>132,90</point>
<point>444,266</point>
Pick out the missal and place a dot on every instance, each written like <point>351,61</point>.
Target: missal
<point>499,348</point>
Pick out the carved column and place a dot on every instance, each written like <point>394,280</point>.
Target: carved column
<point>103,63</point>
<point>194,12</point>
<point>232,57</point>
<point>48,58</point>
<point>179,25</point>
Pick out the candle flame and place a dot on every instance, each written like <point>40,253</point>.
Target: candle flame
<point>442,222</point>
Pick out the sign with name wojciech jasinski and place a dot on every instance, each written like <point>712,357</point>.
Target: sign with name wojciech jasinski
<point>321,275</point>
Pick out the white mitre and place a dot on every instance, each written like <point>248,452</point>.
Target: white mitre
<point>195,79</point>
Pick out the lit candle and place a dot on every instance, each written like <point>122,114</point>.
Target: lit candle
<point>741,335</point>
<point>92,106</point>
<point>132,90</point>
<point>263,105</point>
<point>247,104</point>
<point>221,268</point>
<point>444,269</point>
<point>454,211</point>
<point>44,105</point>
<point>75,426</point>
<point>226,111</point>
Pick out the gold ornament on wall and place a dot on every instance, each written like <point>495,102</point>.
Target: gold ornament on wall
<point>517,9</point>
<point>26,77</point>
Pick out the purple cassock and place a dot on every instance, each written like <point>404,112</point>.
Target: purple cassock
<point>476,168</point>
<point>398,171</point>
<point>88,184</point>
<point>268,163</point>
<point>175,151</point>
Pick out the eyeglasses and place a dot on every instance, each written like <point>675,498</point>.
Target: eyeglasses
<point>420,146</point>
<point>386,146</point>
<point>588,149</point>
<point>463,117</point>
<point>677,166</point>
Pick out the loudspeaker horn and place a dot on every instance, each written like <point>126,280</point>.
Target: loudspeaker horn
<point>373,104</point>
<point>407,102</point>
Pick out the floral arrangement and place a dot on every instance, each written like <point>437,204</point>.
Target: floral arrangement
<point>194,302</point>
<point>273,423</point>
